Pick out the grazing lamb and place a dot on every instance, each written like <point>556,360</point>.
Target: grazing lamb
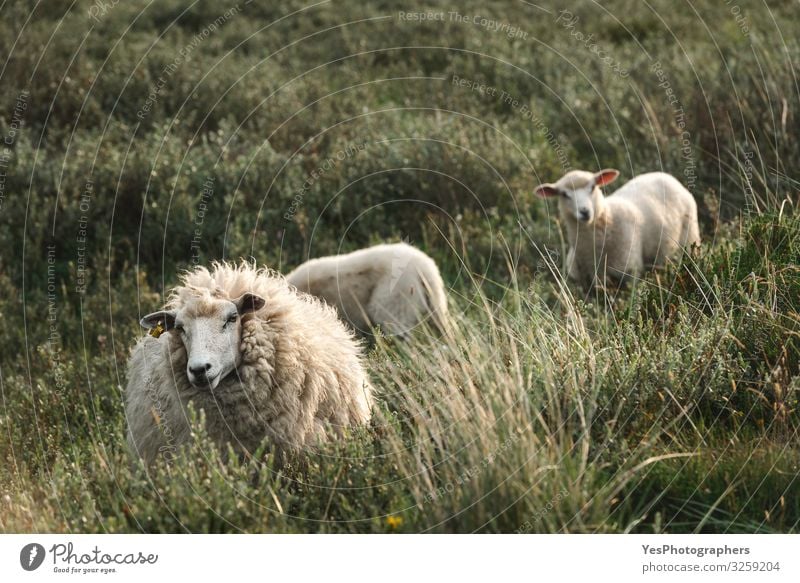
<point>261,360</point>
<point>392,286</point>
<point>641,225</point>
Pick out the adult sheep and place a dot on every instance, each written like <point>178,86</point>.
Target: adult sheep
<point>393,286</point>
<point>641,225</point>
<point>259,359</point>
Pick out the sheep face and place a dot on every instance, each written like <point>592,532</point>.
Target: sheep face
<point>580,198</point>
<point>211,331</point>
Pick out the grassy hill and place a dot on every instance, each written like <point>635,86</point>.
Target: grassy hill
<point>141,139</point>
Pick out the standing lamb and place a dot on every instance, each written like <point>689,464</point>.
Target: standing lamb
<point>392,286</point>
<point>261,360</point>
<point>644,223</point>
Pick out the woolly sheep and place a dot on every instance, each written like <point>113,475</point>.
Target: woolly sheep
<point>393,286</point>
<point>641,225</point>
<point>259,359</point>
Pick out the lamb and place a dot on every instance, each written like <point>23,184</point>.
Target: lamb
<point>393,286</point>
<point>260,360</point>
<point>642,225</point>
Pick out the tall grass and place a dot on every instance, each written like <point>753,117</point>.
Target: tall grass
<point>533,413</point>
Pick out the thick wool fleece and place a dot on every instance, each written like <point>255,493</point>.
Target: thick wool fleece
<point>300,377</point>
<point>393,286</point>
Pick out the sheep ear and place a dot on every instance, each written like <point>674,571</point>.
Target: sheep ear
<point>165,317</point>
<point>606,176</point>
<point>248,302</point>
<point>546,190</point>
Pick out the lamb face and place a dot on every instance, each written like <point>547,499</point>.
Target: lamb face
<point>579,196</point>
<point>211,331</point>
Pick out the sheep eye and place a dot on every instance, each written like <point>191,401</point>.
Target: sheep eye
<point>232,318</point>
<point>179,328</point>
<point>563,193</point>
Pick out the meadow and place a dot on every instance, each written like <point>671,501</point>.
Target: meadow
<point>140,139</point>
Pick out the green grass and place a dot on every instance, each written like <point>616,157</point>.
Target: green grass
<point>668,407</point>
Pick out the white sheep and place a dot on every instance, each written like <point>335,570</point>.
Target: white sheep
<point>261,360</point>
<point>641,225</point>
<point>393,286</point>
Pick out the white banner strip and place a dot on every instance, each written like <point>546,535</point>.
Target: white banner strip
<point>400,558</point>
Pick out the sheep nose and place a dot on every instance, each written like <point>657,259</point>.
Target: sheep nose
<point>584,214</point>
<point>200,371</point>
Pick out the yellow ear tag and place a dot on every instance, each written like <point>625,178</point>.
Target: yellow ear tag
<point>157,330</point>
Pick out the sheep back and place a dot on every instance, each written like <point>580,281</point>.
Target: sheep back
<point>394,286</point>
<point>660,211</point>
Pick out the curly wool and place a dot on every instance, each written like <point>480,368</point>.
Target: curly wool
<point>300,379</point>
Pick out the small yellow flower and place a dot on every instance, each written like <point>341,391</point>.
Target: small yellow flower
<point>157,330</point>
<point>394,522</point>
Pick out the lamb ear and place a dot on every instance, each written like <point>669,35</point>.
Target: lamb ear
<point>606,176</point>
<point>165,317</point>
<point>546,190</point>
<point>248,302</point>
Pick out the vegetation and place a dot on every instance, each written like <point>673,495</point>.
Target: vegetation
<point>140,139</point>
